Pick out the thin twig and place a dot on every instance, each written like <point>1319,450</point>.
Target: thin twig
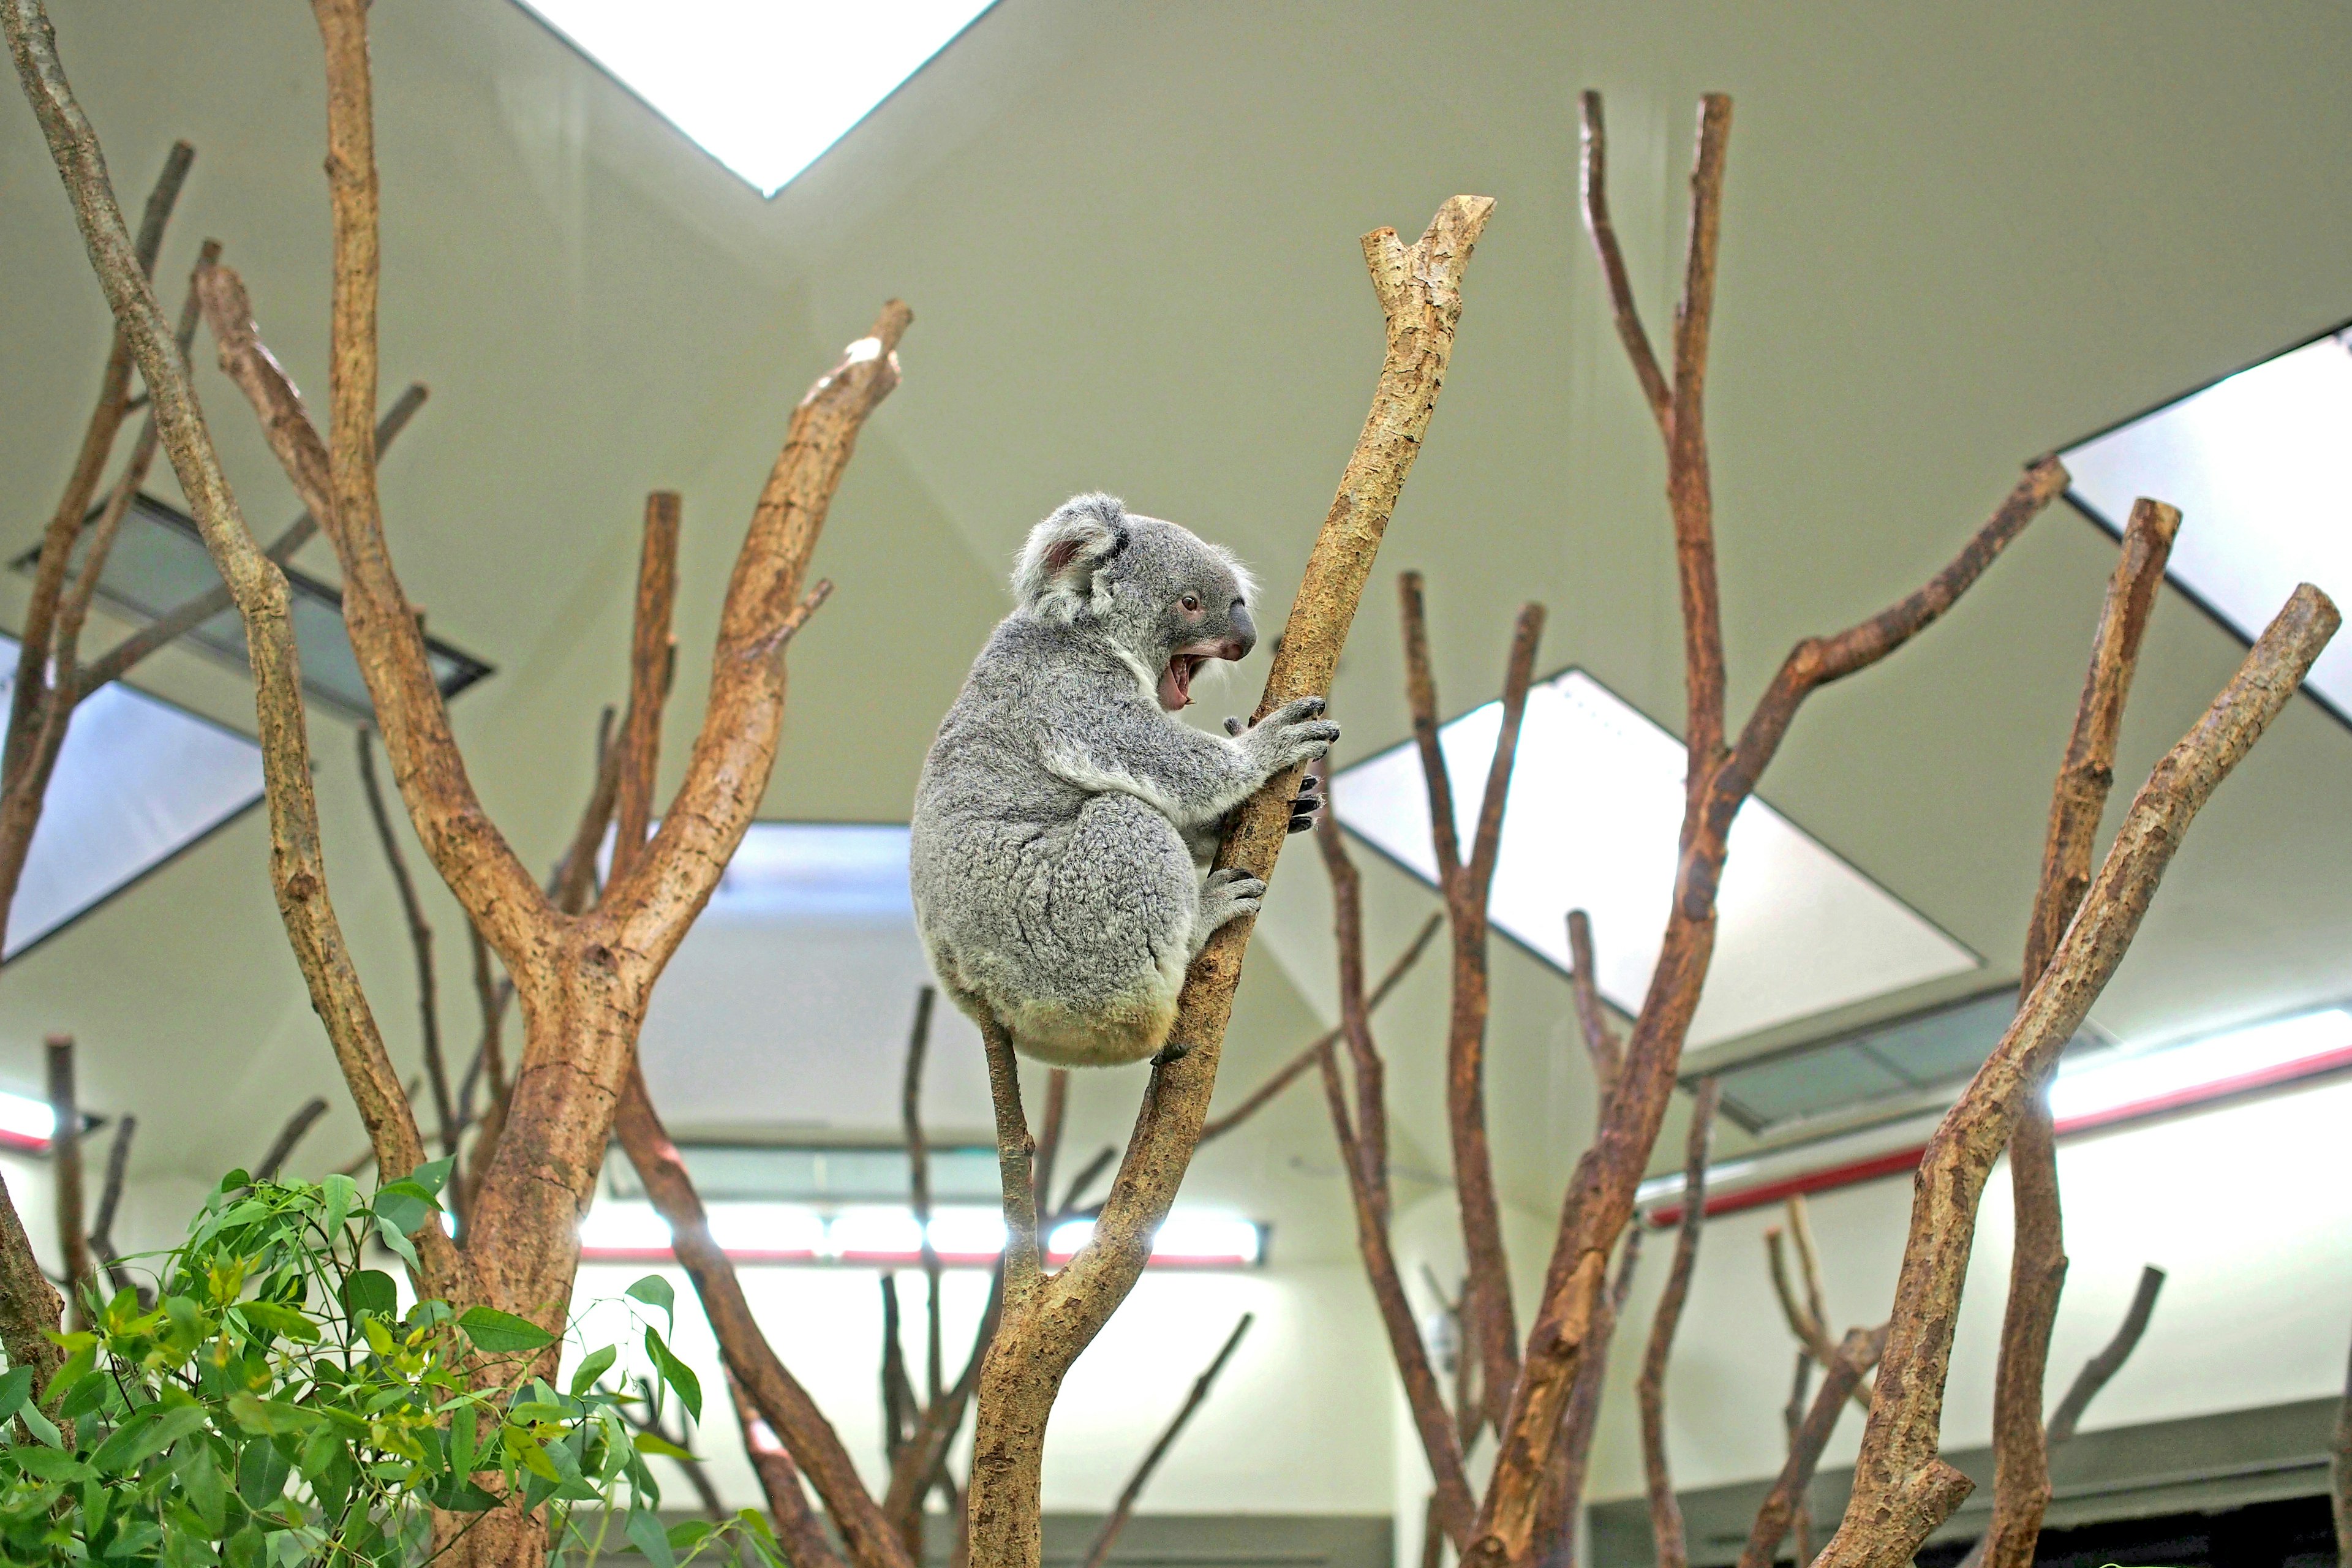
<point>110,1199</point>
<point>1466,883</point>
<point>918,1180</point>
<point>1601,1041</point>
<point>1859,1351</point>
<point>420,939</point>
<point>1665,1513</point>
<point>1099,1553</point>
<point>1298,1065</point>
<point>798,1530</point>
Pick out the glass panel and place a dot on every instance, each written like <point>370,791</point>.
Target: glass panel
<point>138,781</point>
<point>1785,1087</point>
<point>159,562</point>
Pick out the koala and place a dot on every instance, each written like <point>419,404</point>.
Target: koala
<point>1065,816</point>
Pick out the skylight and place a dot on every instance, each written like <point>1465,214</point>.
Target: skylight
<point>763,86</point>
<point>159,563</point>
<point>138,782</point>
<point>1594,816</point>
<point>2260,464</point>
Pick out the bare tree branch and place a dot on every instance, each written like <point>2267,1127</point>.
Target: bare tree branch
<point>1601,1041</point>
<point>1903,1489</point>
<point>1465,884</point>
<point>1858,1352</point>
<point>420,939</point>
<point>1292,1070</point>
<point>2038,1251</point>
<point>1099,1553</point>
<point>110,1200</point>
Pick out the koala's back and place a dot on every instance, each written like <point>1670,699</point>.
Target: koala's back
<point>1058,910</point>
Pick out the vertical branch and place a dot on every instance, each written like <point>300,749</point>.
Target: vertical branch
<point>1098,1554</point>
<point>1689,486</point>
<point>1015,1154</point>
<point>2038,1256</point>
<point>1466,885</point>
<point>652,657</point>
<point>1665,1513</point>
<point>1601,1041</point>
<point>1792,1417</point>
<point>110,1200</point>
<point>1580,1421</point>
<point>420,939</point>
<point>1903,1489</point>
<point>1371,1108</point>
<point>65,1166</point>
<point>919,1180</point>
<point>31,694</point>
<point>1593,169</point>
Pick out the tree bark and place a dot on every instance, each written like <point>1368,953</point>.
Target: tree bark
<point>1665,1513</point>
<point>2038,1252</point>
<point>1903,1490</point>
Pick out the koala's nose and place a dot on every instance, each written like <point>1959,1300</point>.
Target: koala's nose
<point>1241,635</point>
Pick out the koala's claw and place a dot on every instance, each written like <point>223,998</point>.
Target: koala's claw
<point>1173,1051</point>
<point>1307,805</point>
<point>1234,726</point>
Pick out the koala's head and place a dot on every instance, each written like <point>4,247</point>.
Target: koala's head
<point>1171,600</point>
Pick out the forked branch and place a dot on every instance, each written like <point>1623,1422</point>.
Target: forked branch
<point>1903,1489</point>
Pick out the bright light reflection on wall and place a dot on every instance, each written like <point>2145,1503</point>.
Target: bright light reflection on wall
<point>2260,464</point>
<point>138,782</point>
<point>763,86</point>
<point>2110,1081</point>
<point>25,1122</point>
<point>1595,811</point>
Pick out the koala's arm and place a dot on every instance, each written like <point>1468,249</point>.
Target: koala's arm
<point>1192,778</point>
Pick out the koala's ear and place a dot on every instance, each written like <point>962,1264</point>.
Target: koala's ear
<point>1058,563</point>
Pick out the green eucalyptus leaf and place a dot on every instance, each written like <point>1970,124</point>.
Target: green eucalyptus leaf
<point>502,1333</point>
<point>48,1465</point>
<point>396,1240</point>
<point>656,1291</point>
<point>677,1373</point>
<point>650,1539</point>
<point>204,1487</point>
<point>86,1396</point>
<point>371,1290</point>
<point>343,1196</point>
<point>43,1429</point>
<point>592,1369</point>
<point>15,1385</point>
<point>261,1472</point>
<point>652,1443</point>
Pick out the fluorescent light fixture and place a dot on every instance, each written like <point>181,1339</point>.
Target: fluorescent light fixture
<point>2113,1084</point>
<point>138,782</point>
<point>2260,464</point>
<point>1594,816</point>
<point>25,1122</point>
<point>861,1235</point>
<point>763,86</point>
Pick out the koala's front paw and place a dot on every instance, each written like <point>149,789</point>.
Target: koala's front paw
<point>1293,733</point>
<point>1227,895</point>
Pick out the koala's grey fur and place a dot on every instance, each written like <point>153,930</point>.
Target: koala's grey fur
<point>1066,816</point>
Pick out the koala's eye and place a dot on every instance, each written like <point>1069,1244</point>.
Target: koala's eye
<point>1191,603</point>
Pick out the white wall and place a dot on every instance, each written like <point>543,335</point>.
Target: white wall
<point>2247,1205</point>
<point>1298,1422</point>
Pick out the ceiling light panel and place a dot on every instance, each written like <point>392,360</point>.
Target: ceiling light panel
<point>1594,816</point>
<point>2260,464</point>
<point>763,86</point>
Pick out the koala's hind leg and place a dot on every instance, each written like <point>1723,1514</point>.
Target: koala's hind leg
<point>1110,910</point>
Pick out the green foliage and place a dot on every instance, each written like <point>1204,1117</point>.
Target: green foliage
<point>274,1407</point>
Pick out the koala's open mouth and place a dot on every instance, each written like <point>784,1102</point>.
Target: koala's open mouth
<point>1176,680</point>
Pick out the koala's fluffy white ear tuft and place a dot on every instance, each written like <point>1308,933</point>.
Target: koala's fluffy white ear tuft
<point>1056,575</point>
